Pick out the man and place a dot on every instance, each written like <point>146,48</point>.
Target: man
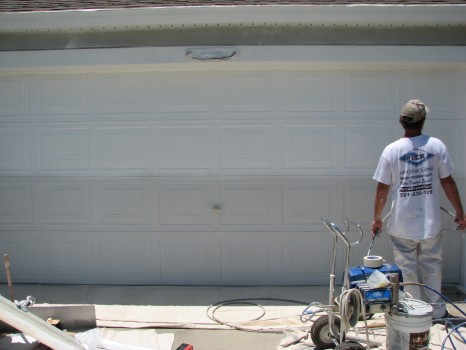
<point>413,169</point>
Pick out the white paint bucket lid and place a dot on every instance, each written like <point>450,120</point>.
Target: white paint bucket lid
<point>417,318</point>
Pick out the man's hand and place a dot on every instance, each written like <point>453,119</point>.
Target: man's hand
<point>451,190</point>
<point>376,227</point>
<point>460,220</point>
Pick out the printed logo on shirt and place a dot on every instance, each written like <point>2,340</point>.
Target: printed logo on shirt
<point>416,182</point>
<point>416,157</point>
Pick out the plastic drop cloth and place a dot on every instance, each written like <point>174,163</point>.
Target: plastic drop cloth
<point>440,338</point>
<point>134,339</point>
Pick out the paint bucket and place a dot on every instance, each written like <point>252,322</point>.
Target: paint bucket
<point>409,329</point>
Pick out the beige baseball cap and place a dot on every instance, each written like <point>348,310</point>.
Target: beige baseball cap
<point>414,111</point>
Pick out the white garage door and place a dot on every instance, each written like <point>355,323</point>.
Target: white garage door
<point>139,170</point>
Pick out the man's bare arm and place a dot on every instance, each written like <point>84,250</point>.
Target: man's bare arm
<point>381,194</point>
<point>451,191</point>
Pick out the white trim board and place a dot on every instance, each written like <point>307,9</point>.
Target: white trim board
<point>149,56</point>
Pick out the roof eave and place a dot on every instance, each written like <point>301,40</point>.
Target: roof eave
<point>359,15</point>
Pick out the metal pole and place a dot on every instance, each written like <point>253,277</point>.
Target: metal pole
<point>8,277</point>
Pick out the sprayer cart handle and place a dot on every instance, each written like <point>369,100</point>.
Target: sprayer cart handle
<point>342,234</point>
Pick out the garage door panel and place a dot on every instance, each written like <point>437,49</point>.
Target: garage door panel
<point>312,90</point>
<point>16,203</point>
<point>247,91</point>
<point>185,204</point>
<point>305,203</point>
<point>365,93</point>
<point>249,203</point>
<point>21,252</point>
<point>193,259</point>
<point>66,148</point>
<point>62,255</point>
<point>164,203</point>
<point>185,92</point>
<point>15,149</point>
<point>125,203</point>
<point>310,147</point>
<point>123,93</point>
<point>14,95</point>
<point>247,147</point>
<point>62,94</point>
<point>452,250</point>
<point>359,198</point>
<point>157,149</point>
<point>185,147</point>
<point>193,93</point>
<point>127,258</point>
<point>123,148</point>
<point>259,255</point>
<point>307,260</point>
<point>64,203</point>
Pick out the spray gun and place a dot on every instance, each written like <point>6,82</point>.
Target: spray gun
<point>372,242</point>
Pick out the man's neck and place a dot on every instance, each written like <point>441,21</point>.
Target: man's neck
<point>412,133</point>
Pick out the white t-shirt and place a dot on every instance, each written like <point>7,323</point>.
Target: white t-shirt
<point>413,167</point>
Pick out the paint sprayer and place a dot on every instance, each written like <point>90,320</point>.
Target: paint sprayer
<point>371,288</point>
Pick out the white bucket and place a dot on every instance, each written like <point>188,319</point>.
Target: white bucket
<point>409,330</point>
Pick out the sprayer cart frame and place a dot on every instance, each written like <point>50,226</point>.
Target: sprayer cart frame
<point>328,331</point>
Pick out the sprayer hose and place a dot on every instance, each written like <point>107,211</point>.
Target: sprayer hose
<point>351,307</point>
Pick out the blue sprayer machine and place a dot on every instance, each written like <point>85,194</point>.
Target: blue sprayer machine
<point>359,298</point>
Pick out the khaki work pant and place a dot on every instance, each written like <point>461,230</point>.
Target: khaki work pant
<point>420,261</point>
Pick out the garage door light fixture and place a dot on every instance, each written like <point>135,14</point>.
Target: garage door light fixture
<point>212,53</point>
